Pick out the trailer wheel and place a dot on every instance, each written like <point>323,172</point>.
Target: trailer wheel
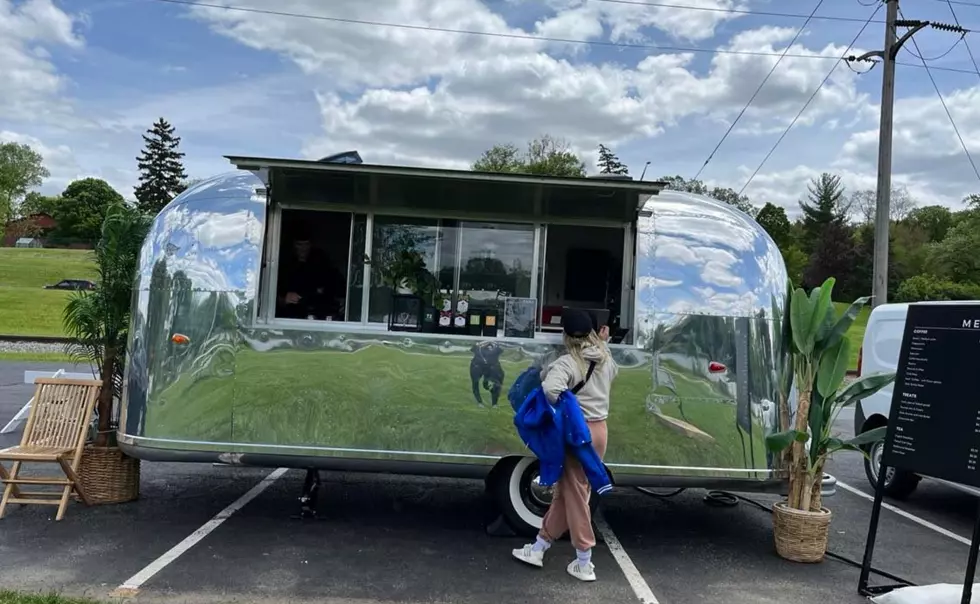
<point>520,498</point>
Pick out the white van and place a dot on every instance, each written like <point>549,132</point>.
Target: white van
<point>879,353</point>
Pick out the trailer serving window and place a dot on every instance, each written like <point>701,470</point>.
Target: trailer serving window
<point>449,252</point>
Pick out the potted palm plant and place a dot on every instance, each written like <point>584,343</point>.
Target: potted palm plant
<point>819,354</point>
<point>96,322</point>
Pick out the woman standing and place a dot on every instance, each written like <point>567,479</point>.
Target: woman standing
<point>569,510</point>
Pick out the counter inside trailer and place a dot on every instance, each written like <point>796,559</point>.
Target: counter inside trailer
<point>348,250</point>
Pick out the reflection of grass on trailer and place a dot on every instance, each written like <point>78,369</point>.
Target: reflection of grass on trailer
<point>386,398</point>
<point>696,344</point>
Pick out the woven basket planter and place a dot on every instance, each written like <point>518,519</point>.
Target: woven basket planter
<point>109,476</point>
<point>800,536</point>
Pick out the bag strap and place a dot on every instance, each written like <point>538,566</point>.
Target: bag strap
<point>581,384</point>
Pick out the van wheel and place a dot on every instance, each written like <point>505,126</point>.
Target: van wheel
<point>520,497</point>
<point>898,483</point>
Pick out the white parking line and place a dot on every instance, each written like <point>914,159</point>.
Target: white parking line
<point>633,576</point>
<point>132,585</point>
<point>905,514</point>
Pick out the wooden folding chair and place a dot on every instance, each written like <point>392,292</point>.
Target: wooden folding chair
<point>56,431</point>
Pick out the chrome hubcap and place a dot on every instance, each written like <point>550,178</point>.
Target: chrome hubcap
<point>540,495</point>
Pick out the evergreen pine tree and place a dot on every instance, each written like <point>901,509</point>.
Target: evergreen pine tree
<point>161,169</point>
<point>609,163</point>
<point>826,204</point>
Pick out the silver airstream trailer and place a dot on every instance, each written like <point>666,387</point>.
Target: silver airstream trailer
<point>338,315</point>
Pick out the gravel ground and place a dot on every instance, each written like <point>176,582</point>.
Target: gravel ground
<point>31,347</point>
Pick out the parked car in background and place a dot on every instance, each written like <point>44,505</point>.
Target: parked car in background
<point>880,352</point>
<point>75,284</point>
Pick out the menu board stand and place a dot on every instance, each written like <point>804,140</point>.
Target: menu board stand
<point>934,420</point>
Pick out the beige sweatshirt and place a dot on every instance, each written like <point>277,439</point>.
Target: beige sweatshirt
<point>564,373</point>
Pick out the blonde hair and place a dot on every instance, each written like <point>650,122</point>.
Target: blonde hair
<point>575,346</point>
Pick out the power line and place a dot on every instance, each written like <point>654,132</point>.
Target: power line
<point>969,50</point>
<point>961,3</point>
<point>938,68</point>
<point>942,56</point>
<point>809,100</point>
<point>496,34</point>
<point>946,108</point>
<point>736,11</point>
<point>761,84</point>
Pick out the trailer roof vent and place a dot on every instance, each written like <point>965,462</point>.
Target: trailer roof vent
<point>346,157</point>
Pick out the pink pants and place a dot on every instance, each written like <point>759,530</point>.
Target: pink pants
<point>569,510</point>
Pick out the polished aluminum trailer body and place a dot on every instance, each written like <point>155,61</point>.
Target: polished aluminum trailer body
<point>696,395</point>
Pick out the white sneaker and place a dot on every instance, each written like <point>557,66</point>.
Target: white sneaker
<point>528,554</point>
<point>582,572</point>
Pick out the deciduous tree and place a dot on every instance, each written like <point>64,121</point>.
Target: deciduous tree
<point>83,207</point>
<point>957,256</point>
<point>546,156</point>
<point>774,220</point>
<point>865,203</point>
<point>35,203</point>
<point>21,169</point>
<point>935,221</point>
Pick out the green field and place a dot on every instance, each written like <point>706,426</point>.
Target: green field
<point>28,308</point>
<point>856,333</point>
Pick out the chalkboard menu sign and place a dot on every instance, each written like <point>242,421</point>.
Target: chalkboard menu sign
<point>934,424</point>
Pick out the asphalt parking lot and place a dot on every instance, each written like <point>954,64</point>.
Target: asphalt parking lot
<point>404,539</point>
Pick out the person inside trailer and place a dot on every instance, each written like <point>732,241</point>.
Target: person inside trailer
<point>309,287</point>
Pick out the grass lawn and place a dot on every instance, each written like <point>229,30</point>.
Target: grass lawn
<point>28,309</point>
<point>12,597</point>
<point>856,333</point>
<point>39,357</point>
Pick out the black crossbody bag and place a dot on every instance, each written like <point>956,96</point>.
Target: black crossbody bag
<point>581,384</point>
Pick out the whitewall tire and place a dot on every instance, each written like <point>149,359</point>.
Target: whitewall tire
<point>519,496</point>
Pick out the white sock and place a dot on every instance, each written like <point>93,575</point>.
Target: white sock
<point>540,545</point>
<point>584,557</point>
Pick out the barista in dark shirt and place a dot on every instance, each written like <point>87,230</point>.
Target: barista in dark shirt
<point>308,284</point>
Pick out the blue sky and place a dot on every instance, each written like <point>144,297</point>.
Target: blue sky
<point>89,76</point>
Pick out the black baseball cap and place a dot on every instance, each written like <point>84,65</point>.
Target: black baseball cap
<point>576,322</point>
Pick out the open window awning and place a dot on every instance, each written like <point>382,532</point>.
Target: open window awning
<point>450,191</point>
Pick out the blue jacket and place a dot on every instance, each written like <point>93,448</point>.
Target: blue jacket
<point>549,430</point>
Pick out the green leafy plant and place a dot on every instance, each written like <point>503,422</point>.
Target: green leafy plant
<point>819,351</point>
<point>403,268</point>
<point>97,321</point>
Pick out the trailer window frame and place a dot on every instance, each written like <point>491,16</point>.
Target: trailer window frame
<point>268,280</point>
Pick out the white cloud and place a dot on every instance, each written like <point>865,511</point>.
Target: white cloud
<point>32,88</point>
<point>428,97</point>
<point>478,99</point>
<point>925,145</point>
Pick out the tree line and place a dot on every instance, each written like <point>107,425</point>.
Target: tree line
<point>934,252</point>
<point>80,209</point>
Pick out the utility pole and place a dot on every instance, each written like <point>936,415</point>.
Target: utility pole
<point>879,288</point>
<point>893,44</point>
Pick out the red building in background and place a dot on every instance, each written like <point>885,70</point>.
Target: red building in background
<point>35,225</point>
